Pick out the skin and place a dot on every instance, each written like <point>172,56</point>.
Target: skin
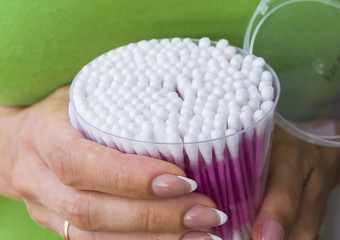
<point>59,175</point>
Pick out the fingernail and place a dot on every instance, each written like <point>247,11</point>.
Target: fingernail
<point>200,236</point>
<point>201,217</point>
<point>272,230</point>
<point>168,185</point>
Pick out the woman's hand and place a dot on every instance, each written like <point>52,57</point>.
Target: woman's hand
<point>103,193</point>
<point>301,176</point>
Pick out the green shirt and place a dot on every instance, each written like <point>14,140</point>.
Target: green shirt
<point>43,44</point>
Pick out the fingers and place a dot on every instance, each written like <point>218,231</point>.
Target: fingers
<point>282,201</point>
<point>312,208</point>
<point>103,212</point>
<point>48,219</point>
<point>86,165</point>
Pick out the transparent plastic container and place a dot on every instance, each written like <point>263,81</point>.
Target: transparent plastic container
<point>300,39</point>
<point>231,170</point>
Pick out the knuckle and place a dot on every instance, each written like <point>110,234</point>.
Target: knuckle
<point>77,212</point>
<point>152,220</point>
<point>121,178</point>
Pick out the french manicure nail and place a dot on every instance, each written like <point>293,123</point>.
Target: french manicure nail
<point>272,230</point>
<point>168,185</point>
<point>201,217</point>
<point>200,236</point>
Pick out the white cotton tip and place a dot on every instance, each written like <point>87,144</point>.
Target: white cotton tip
<point>211,104</point>
<point>220,124</point>
<point>238,84</point>
<point>248,59</point>
<point>124,121</point>
<point>235,62</point>
<point>246,119</point>
<point>263,84</point>
<point>259,62</point>
<point>257,117</point>
<point>202,93</point>
<point>247,122</point>
<point>193,131</point>
<point>267,76</point>
<point>218,54</point>
<point>267,93</point>
<point>222,103</point>
<point>228,96</point>
<point>252,88</point>
<point>127,143</point>
<point>204,42</point>
<point>176,148</point>
<point>218,143</point>
<point>183,128</point>
<point>213,64</point>
<point>223,73</point>
<point>197,83</point>
<point>233,103</point>
<point>267,106</point>
<point>254,104</point>
<point>191,148</point>
<point>205,147</point>
<point>231,70</point>
<point>227,87</point>
<point>255,95</point>
<point>172,107</point>
<point>221,44</point>
<point>234,122</point>
<point>172,129</point>
<point>230,51</point>
<point>222,114</point>
<point>232,140</point>
<point>241,96</point>
<point>254,78</point>
<point>238,75</point>
<point>207,127</point>
<point>147,131</point>
<point>235,110</point>
<point>162,113</point>
<point>246,108</point>
<point>134,128</point>
<point>208,113</point>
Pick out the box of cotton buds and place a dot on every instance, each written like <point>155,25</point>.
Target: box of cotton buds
<point>206,106</point>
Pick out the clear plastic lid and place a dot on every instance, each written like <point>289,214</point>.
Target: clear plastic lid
<point>300,39</point>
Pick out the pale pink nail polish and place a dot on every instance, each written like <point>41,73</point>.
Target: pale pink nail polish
<point>168,185</point>
<point>200,236</point>
<point>201,217</point>
<point>272,230</point>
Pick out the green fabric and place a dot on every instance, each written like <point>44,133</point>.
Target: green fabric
<point>43,44</point>
<point>16,224</point>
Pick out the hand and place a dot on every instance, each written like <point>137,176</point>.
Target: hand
<point>301,176</point>
<point>103,193</point>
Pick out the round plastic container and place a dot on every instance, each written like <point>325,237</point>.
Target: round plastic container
<point>232,170</point>
<point>300,39</point>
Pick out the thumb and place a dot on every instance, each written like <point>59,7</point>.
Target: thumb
<point>281,204</point>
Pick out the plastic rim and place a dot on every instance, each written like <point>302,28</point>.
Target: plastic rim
<point>287,38</point>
